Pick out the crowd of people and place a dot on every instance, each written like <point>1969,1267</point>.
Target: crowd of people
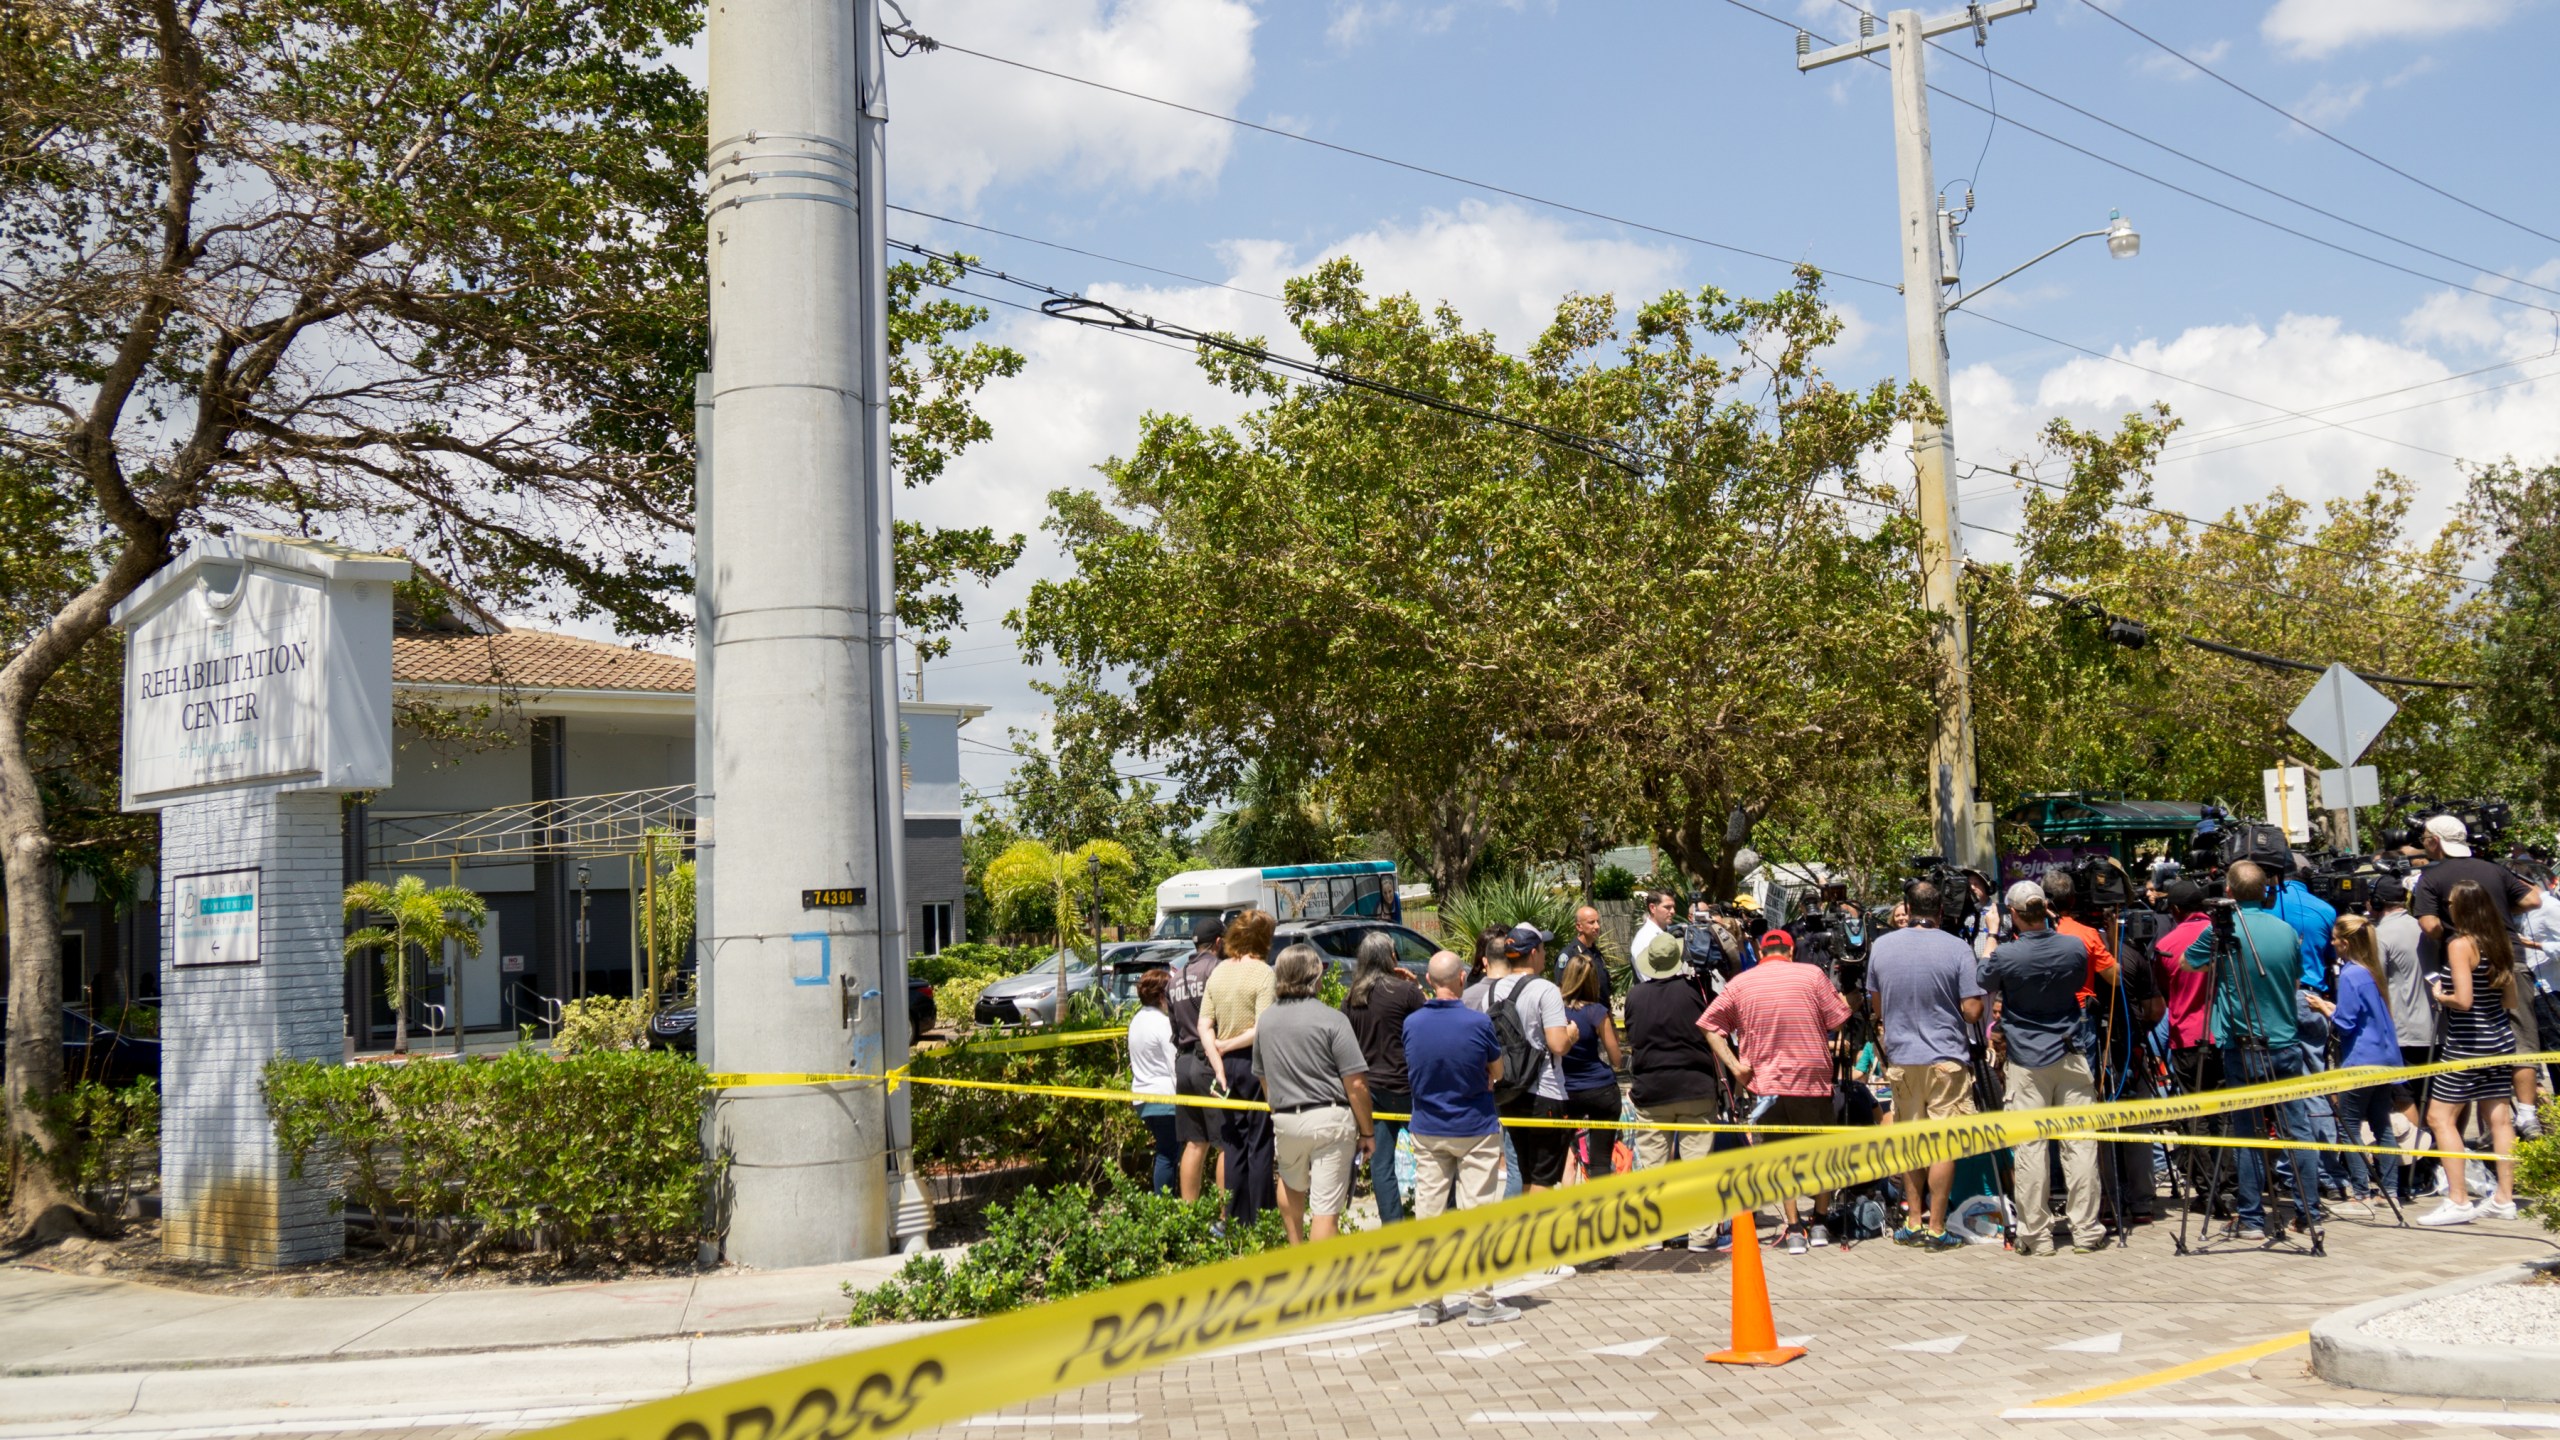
<point>1521,1069</point>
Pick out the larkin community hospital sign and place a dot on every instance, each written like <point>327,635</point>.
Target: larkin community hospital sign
<point>257,690</point>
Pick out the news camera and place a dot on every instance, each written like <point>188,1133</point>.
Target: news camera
<point>2485,818</point>
<point>1829,933</point>
<point>2347,881</point>
<point>1958,906</point>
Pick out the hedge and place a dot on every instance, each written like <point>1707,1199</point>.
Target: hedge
<point>596,1152</point>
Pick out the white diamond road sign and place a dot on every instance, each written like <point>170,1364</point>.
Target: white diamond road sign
<point>2342,714</point>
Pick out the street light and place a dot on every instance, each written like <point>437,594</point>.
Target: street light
<point>2123,242</point>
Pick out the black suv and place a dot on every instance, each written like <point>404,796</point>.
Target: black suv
<point>1340,938</point>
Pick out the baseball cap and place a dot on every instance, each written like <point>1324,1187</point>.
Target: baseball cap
<point>2024,893</point>
<point>1661,958</point>
<point>2390,890</point>
<point>2183,895</point>
<point>1745,902</point>
<point>2451,833</point>
<point>1525,938</point>
<point>1778,940</point>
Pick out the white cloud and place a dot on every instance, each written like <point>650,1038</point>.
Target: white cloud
<point>2170,67</point>
<point>2310,29</point>
<point>2328,104</point>
<point>959,124</point>
<point>2230,450</point>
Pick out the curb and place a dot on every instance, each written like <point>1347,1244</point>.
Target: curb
<point>2342,1354</point>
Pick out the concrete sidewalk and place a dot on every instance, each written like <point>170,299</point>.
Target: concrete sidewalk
<point>53,1324</point>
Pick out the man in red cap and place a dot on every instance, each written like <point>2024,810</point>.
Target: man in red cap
<point>1784,1014</point>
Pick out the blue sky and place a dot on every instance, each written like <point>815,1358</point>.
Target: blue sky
<point>1691,116</point>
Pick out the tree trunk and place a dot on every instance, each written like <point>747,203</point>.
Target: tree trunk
<point>400,1000</point>
<point>34,876</point>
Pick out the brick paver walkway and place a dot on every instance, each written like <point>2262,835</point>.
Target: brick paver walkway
<point>1990,1323</point>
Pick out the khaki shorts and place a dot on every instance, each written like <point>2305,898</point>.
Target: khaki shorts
<point>1931,1092</point>
<point>1313,1152</point>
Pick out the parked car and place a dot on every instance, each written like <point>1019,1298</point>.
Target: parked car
<point>1340,939</point>
<point>1031,998</point>
<point>1123,964</point>
<point>672,1028</point>
<point>91,1051</point>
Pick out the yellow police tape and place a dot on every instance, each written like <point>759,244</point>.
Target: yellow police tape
<point>1006,1359</point>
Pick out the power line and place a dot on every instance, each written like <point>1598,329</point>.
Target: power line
<point>2221,79</point>
<point>2254,657</point>
<point>1088,254</point>
<point>2396,410</point>
<point>2226,527</point>
<point>2240,427</point>
<point>2140,173</point>
<point>1375,158</point>
<point>2199,161</point>
<point>2201,385</point>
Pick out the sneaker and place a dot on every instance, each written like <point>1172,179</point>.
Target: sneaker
<point>2495,1210</point>
<point>1430,1312</point>
<point>2351,1209</point>
<point>1795,1241</point>
<point>1938,1242</point>
<point>2528,1123</point>
<point>2249,1234</point>
<point>1820,1235</point>
<point>2449,1213</point>
<point>1911,1235</point>
<point>1496,1313</point>
<point>2086,1249</point>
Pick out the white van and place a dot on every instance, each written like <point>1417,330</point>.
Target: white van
<point>1364,888</point>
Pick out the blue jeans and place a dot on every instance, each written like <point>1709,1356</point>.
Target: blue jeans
<point>2372,1106</point>
<point>1382,1159</point>
<point>1158,1118</point>
<point>2293,1122</point>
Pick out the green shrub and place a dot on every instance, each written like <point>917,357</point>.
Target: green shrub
<point>1503,903</point>
<point>2538,1169</point>
<point>1066,1141</point>
<point>602,1022</point>
<point>142,1022</point>
<point>954,1001</point>
<point>1049,1245</point>
<point>600,1151</point>
<point>976,958</point>
<point>1613,882</point>
<point>103,1143</point>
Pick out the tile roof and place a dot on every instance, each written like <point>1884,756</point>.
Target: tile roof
<point>536,660</point>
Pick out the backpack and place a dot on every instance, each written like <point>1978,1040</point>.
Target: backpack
<point>1523,1059</point>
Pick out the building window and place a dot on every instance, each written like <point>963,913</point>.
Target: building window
<point>933,928</point>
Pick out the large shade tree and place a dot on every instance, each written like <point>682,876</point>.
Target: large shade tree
<point>1467,629</point>
<point>2063,704</point>
<point>415,275</point>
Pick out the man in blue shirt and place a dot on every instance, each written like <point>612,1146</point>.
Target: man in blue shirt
<point>2253,1023</point>
<point>2312,918</point>
<point>1451,1060</point>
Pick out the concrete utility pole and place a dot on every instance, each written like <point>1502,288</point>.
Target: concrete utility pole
<point>799,911</point>
<point>1963,825</point>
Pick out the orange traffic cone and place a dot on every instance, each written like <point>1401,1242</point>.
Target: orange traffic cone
<point>1755,1325</point>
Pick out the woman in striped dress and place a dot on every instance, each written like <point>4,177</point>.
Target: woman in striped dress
<point>2471,1007</point>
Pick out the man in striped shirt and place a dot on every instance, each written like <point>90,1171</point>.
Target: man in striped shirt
<point>1784,1014</point>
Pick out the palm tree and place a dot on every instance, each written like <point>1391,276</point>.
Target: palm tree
<point>420,919</point>
<point>1029,871</point>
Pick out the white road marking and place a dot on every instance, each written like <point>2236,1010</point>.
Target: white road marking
<point>1483,1352</point>
<point>1341,1352</point>
<point>2108,1344</point>
<point>1795,1339</point>
<point>2342,1414</point>
<point>1035,1422</point>
<point>1630,1349</point>
<point>1943,1345</point>
<point>1561,1417</point>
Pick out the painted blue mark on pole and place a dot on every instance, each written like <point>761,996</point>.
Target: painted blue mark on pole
<point>811,966</point>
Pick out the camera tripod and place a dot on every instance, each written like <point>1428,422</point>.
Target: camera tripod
<point>2256,1063</point>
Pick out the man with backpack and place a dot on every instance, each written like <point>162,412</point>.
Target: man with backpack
<point>1784,1014</point>
<point>1527,1011</point>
